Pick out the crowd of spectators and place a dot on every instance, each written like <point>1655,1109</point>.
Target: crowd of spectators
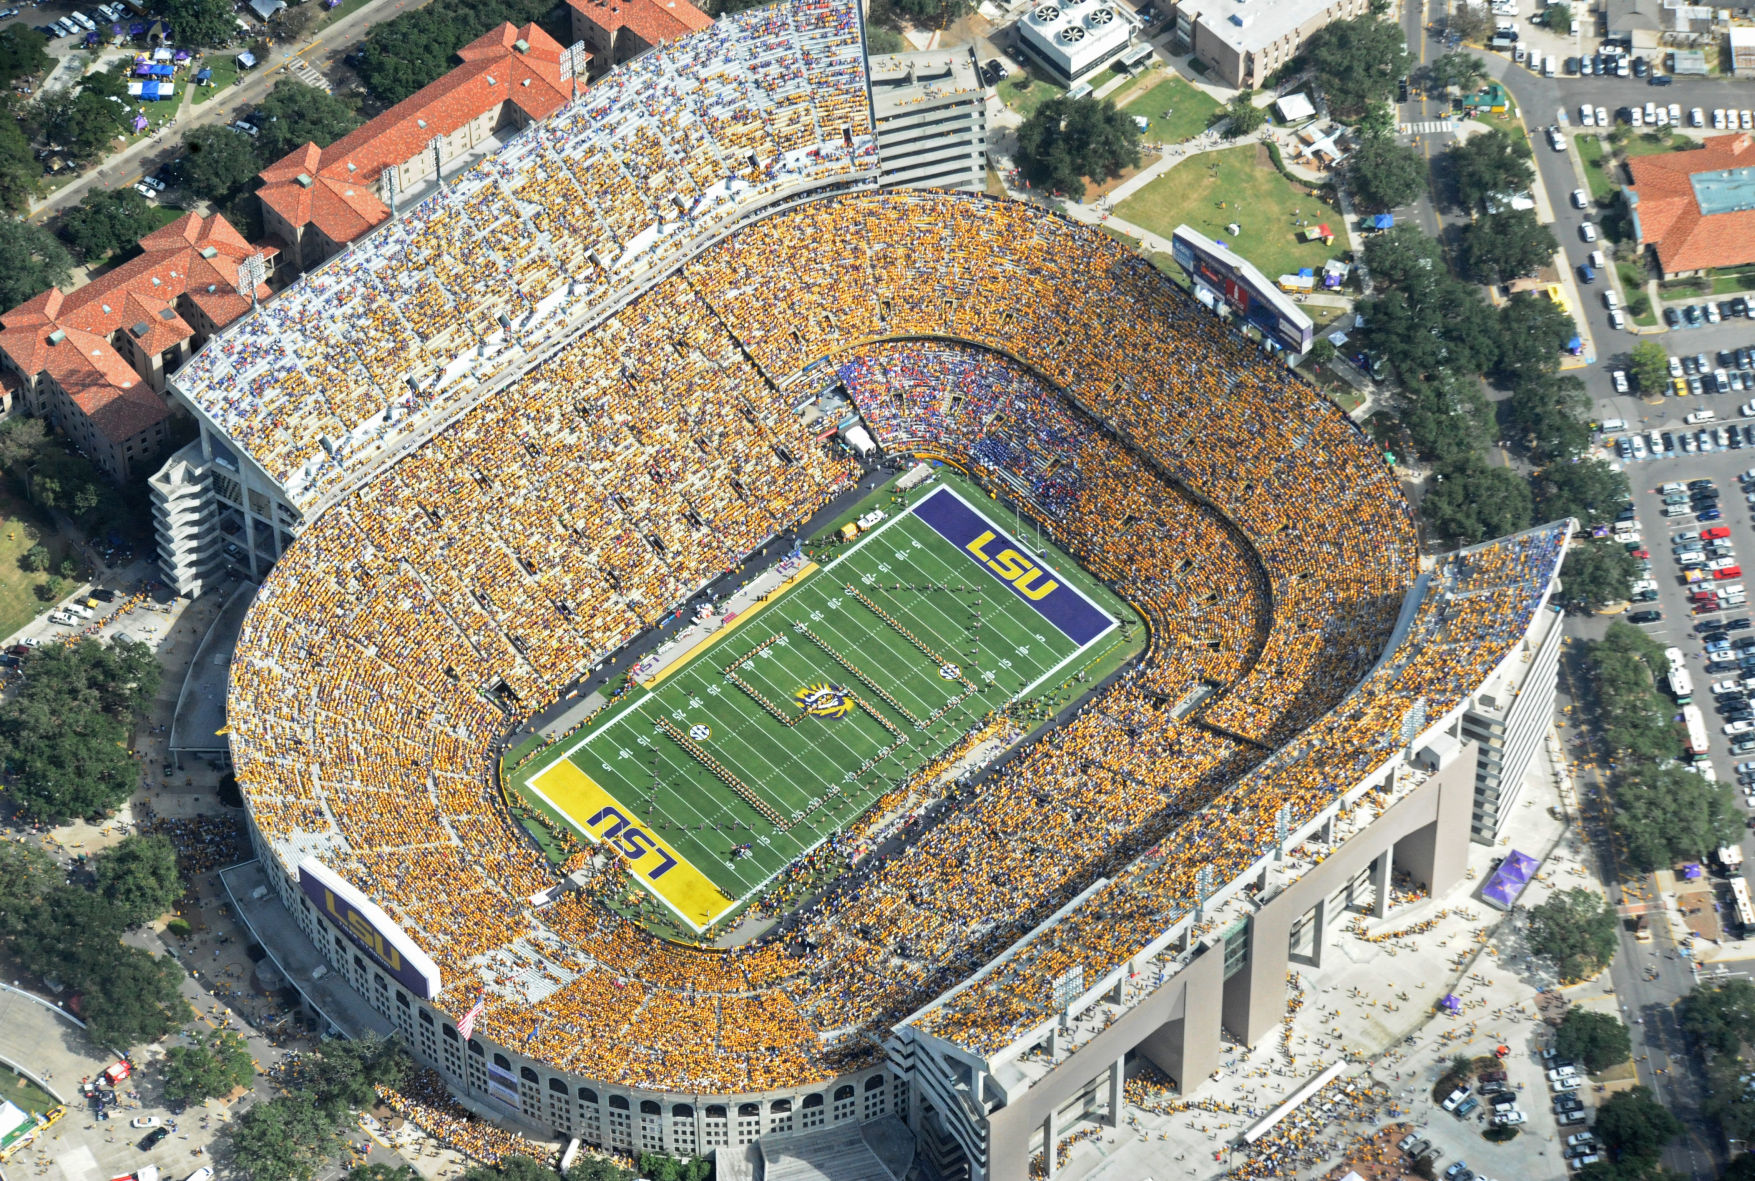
<point>421,618</point>
<point>513,253</point>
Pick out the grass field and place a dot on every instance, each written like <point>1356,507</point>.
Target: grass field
<point>1177,111</point>
<point>1254,195</point>
<point>26,1095</point>
<point>225,71</point>
<point>21,528</point>
<point>1023,93</point>
<point>790,722</point>
<point>1599,167</point>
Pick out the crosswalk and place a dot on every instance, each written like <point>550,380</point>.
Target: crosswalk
<point>1429,127</point>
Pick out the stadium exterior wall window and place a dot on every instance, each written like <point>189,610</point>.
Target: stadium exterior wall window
<point>528,1075</point>
<point>587,1095</point>
<point>648,1107</point>
<point>475,1048</point>
<point>618,1103</point>
<point>682,1111</point>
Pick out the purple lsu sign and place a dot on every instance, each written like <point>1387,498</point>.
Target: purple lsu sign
<point>370,929</point>
<point>1073,615</point>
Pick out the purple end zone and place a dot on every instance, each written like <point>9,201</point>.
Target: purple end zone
<point>1070,612</point>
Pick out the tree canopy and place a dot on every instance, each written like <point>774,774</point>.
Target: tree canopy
<point>1357,62</point>
<point>1383,174</point>
<point>64,734</point>
<point>1597,573</point>
<point>208,1067</point>
<point>1533,331</point>
<point>1459,68</point>
<point>1720,1016</point>
<point>1649,366</point>
<point>1447,416</point>
<point>138,876</point>
<point>34,261</point>
<point>1665,815</point>
<point>203,23</point>
<point>131,996</point>
<point>295,114</point>
<point>1633,1125</point>
<point>289,1137</point>
<point>24,53</point>
<point>1598,1040</point>
<point>106,222</point>
<point>1067,139</point>
<point>219,162</point>
<point>1425,319</point>
<point>1545,417</point>
<point>1576,929</point>
<point>1488,164</point>
<point>1245,117</point>
<point>1633,717</point>
<point>1471,22</point>
<point>1507,245</point>
<point>1590,489</point>
<point>1471,500</point>
<point>404,54</point>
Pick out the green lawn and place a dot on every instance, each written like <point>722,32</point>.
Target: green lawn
<point>1177,110</point>
<point>1598,169</point>
<point>921,641</point>
<point>21,528</point>
<point>26,1095</point>
<point>1023,93</point>
<point>1254,195</point>
<point>1732,282</point>
<point>1652,143</point>
<point>225,71</point>
<point>1508,122</point>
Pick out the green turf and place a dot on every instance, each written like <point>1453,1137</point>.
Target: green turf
<point>1176,110</point>
<point>1239,185</point>
<point>1598,168</point>
<point>1024,92</point>
<point>809,779</point>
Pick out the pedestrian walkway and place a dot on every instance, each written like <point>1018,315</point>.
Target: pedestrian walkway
<point>45,1044</point>
<point>1427,127</point>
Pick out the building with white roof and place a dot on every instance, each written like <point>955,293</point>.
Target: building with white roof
<point>1073,39</point>
<point>1244,41</point>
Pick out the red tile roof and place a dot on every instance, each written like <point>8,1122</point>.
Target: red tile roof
<point>333,188</point>
<point>193,256</point>
<point>652,21</point>
<point>1669,215</point>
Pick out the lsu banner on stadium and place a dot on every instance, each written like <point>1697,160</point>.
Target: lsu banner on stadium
<point>373,931</point>
<point>1079,619</point>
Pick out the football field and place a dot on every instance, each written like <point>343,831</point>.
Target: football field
<point>789,722</point>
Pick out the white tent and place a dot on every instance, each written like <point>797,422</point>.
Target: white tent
<point>1294,108</point>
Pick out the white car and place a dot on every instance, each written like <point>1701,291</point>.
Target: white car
<point>1634,118</point>
<point>1572,1082</point>
<point>1699,416</point>
<point>1721,687</point>
<point>1588,232</point>
<point>1617,319</point>
<point>1455,1098</point>
<point>1507,1118</point>
<point>1676,114</point>
<point>1745,121</point>
<point>1556,140</point>
<point>144,1121</point>
<point>1675,366</point>
<point>1620,379</point>
<point>1747,410</point>
<point>1696,117</point>
<point>1732,728</point>
<point>145,190</point>
<point>1587,116</point>
<point>1602,116</point>
<point>1721,563</point>
<point>1560,1072</point>
<point>1580,199</point>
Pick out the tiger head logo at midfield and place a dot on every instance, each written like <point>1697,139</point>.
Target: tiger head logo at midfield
<point>824,701</point>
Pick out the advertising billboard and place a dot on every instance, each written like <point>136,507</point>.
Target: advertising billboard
<point>370,929</point>
<point>1250,295</point>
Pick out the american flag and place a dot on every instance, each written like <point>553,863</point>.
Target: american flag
<point>467,1026</point>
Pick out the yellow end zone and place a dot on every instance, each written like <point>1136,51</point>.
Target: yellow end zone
<point>742,618</point>
<point>657,866</point>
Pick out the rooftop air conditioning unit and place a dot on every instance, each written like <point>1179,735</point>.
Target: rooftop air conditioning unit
<point>1047,14</point>
<point>1073,35</point>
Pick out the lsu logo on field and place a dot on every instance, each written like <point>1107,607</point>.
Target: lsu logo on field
<point>824,701</point>
<point>1012,566</point>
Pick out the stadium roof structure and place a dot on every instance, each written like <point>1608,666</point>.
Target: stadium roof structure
<point>1696,209</point>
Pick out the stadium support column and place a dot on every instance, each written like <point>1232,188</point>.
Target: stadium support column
<point>1050,1142</point>
<point>1117,1089</point>
<point>1380,884</point>
<point>1430,854</point>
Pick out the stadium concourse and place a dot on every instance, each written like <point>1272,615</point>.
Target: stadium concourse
<point>554,505</point>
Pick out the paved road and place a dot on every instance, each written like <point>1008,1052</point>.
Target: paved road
<point>129,165</point>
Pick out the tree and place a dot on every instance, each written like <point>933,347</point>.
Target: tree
<point>284,1139</point>
<point>1067,139</point>
<point>1576,929</point>
<point>32,260</point>
<point>1533,331</point>
<point>1510,244</point>
<point>880,40</point>
<point>1471,22</point>
<point>1246,118</point>
<point>1558,17</point>
<point>19,171</point>
<point>1546,416</point>
<point>219,162</point>
<point>1597,573</point>
<point>512,1167</point>
<point>596,1168</point>
<point>937,14</point>
<point>1635,1126</point>
<point>35,559</point>
<point>1426,319</point>
<point>107,221</point>
<point>341,1079</point>
<point>1634,718</point>
<point>1598,1040</point>
<point>207,1068</point>
<point>659,1167</point>
<point>1741,1168</point>
<point>205,23</point>
<point>131,997</point>
<point>382,1172</point>
<point>23,53</point>
<point>27,877</point>
<point>1470,500</point>
<point>1458,68</point>
<point>83,123</point>
<point>1720,1016</point>
<point>402,55</point>
<point>1357,62</point>
<point>1447,416</point>
<point>1589,489</point>
<point>1383,174</point>
<point>139,877</point>
<point>1486,165</point>
<point>1650,366</point>
<point>295,114</point>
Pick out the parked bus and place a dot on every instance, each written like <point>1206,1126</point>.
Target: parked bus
<point>1681,684</point>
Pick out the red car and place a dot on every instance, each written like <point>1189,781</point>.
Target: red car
<point>1715,532</point>
<point>1642,554</point>
<point>1728,572</point>
<point>1707,608</point>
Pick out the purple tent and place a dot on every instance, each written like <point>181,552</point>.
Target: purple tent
<point>1508,881</point>
<point>1451,1004</point>
<point>1691,871</point>
<point>183,55</point>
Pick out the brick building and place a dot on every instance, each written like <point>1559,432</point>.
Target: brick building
<point>1696,209</point>
<point>93,361</point>
<point>316,200</point>
<point>616,30</point>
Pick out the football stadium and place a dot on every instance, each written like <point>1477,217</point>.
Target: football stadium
<point>1138,686</point>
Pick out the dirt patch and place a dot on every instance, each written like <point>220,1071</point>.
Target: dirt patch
<point>1094,190</point>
